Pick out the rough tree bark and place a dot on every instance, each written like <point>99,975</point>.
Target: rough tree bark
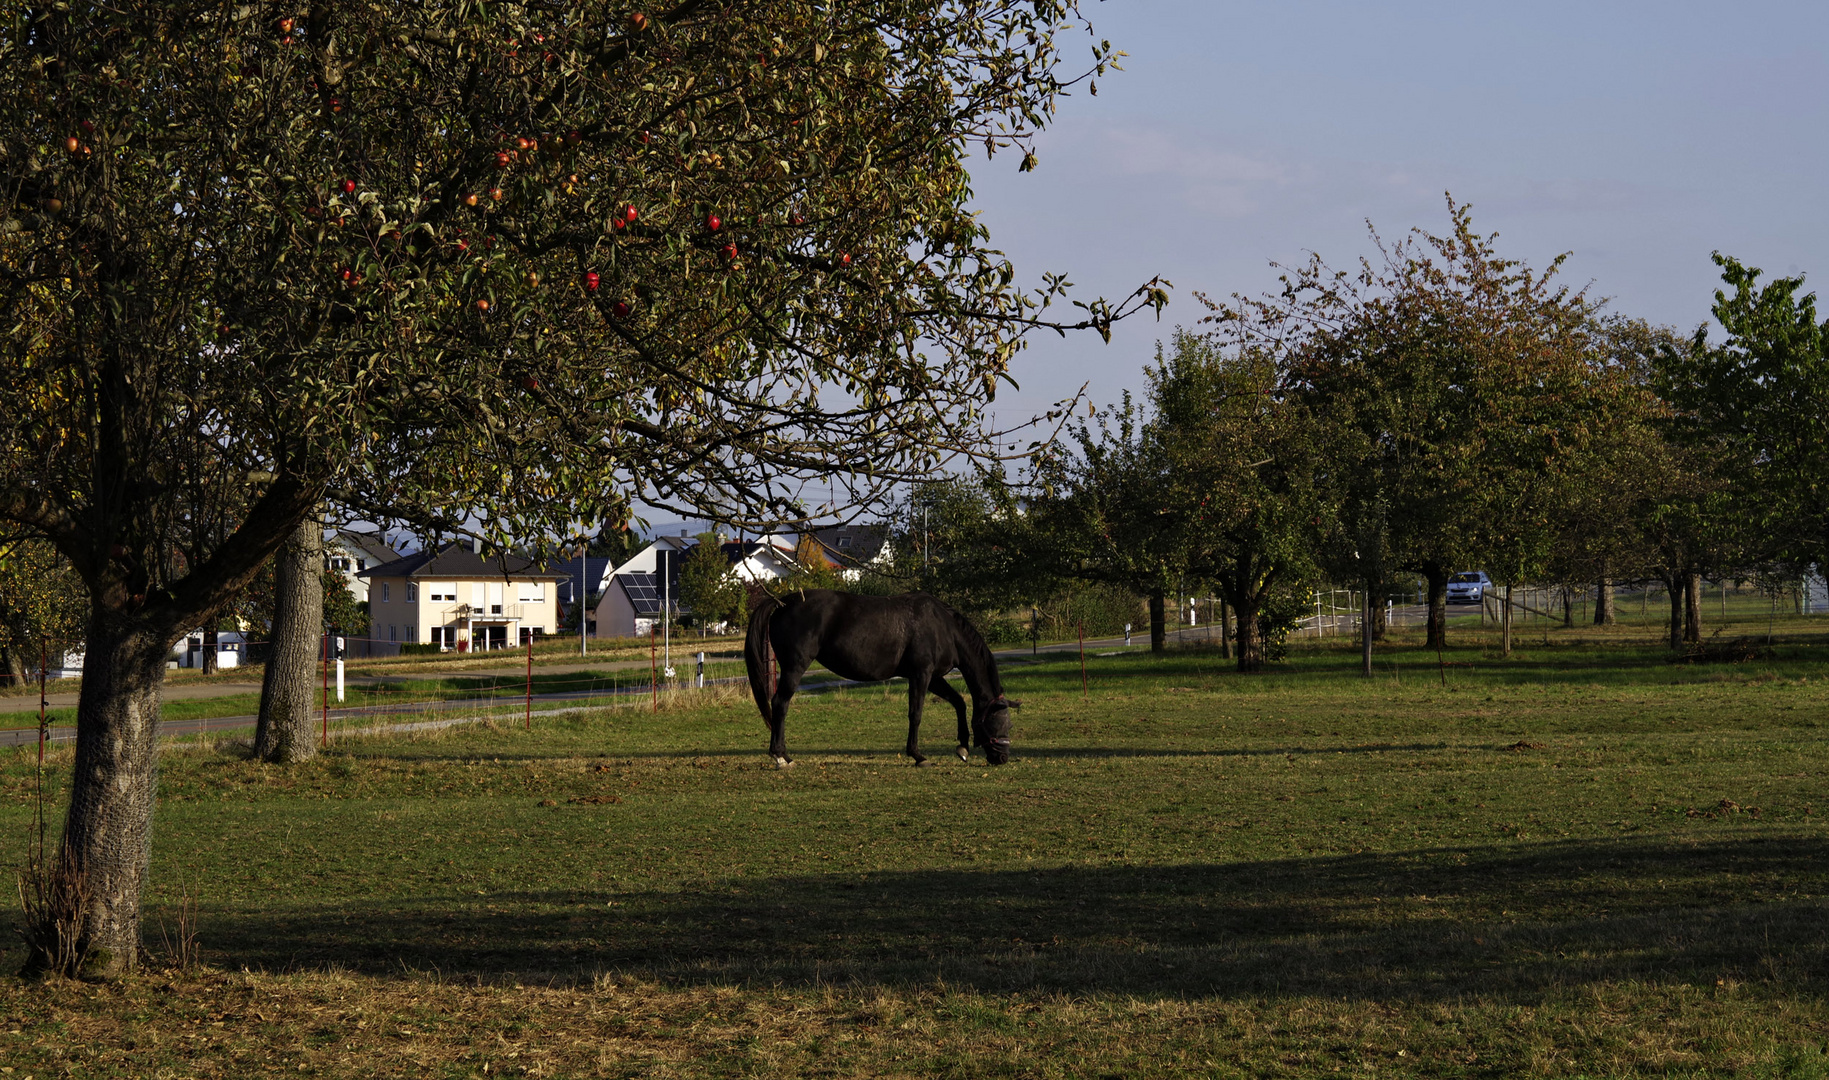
<point>107,836</point>
<point>1437,576</point>
<point>1250,643</point>
<point>1367,631</point>
<point>1603,602</point>
<point>1692,608</point>
<point>1568,607</point>
<point>283,731</point>
<point>1158,622</point>
<point>1505,623</point>
<point>1225,632</point>
<point>208,657</point>
<point>1673,588</point>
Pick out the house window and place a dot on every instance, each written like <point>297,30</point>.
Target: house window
<point>412,592</point>
<point>361,564</point>
<point>412,633</point>
<point>384,591</point>
<point>392,632</point>
<point>844,541</point>
<point>477,593</point>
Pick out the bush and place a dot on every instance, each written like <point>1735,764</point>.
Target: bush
<point>424,648</point>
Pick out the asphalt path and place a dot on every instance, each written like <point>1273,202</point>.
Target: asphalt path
<point>468,710</point>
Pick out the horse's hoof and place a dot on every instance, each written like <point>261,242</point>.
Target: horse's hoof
<point>783,763</point>
<point>920,762</point>
<point>964,752</point>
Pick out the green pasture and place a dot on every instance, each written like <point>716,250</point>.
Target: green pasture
<point>1583,860</point>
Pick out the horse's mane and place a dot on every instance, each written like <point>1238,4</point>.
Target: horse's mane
<point>980,650</point>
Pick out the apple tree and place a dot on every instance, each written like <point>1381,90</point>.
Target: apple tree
<point>499,268</point>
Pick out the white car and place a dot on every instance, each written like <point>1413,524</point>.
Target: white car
<point>1468,587</point>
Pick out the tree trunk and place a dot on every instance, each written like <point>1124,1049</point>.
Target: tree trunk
<point>1225,633</point>
<point>1158,623</point>
<point>1437,577</point>
<point>1505,623</point>
<point>283,731</point>
<point>1250,642</point>
<point>1603,603</point>
<point>1367,631</point>
<point>107,836</point>
<point>208,655</point>
<point>1375,612</point>
<point>1692,608</point>
<point>1568,607</point>
<point>1673,587</point>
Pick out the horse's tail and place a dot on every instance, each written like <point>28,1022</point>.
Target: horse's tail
<point>755,655</point>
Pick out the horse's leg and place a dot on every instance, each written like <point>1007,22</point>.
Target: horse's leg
<point>917,697</point>
<point>785,685</point>
<point>945,692</point>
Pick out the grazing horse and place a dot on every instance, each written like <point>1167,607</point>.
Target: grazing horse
<point>872,638</point>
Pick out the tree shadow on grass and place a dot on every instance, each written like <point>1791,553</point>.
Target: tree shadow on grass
<point>1500,923</point>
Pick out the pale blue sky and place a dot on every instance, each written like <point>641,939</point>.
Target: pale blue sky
<point>1639,136</point>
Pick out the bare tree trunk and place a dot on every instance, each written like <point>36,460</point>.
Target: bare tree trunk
<point>1225,638</point>
<point>1692,608</point>
<point>107,836</point>
<point>1437,577</point>
<point>209,650</point>
<point>1250,642</point>
<point>1375,611</point>
<point>1158,622</point>
<point>1568,607</point>
<point>1603,603</point>
<point>1673,587</point>
<point>1366,631</point>
<point>1505,624</point>
<point>283,731</point>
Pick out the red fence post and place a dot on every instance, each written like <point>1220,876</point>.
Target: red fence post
<point>43,730</point>
<point>530,681</point>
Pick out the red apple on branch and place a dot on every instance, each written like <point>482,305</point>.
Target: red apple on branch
<point>590,280</point>
<point>712,223</point>
<point>621,309</point>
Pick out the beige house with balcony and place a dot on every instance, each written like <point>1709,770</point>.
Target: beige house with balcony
<point>461,601</point>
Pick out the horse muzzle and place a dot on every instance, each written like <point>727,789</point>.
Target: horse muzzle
<point>997,751</point>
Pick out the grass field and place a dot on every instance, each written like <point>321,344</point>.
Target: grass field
<point>1582,861</point>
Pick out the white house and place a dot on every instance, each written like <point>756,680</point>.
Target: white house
<point>635,592</point>
<point>457,599</point>
<point>350,553</point>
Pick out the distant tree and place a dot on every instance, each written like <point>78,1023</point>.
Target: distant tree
<point>709,586</point>
<point>1104,509</point>
<point>1460,385</point>
<point>41,606</point>
<point>1760,399</point>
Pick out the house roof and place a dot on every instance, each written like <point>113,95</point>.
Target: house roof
<point>596,569</point>
<point>368,545</point>
<point>852,545</point>
<point>643,591</point>
<point>735,551</point>
<point>458,561</point>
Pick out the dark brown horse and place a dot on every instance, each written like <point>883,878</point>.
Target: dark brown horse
<point>872,638</point>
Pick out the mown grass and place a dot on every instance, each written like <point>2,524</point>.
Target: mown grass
<point>1580,861</point>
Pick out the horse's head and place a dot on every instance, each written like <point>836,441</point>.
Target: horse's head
<point>994,729</point>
